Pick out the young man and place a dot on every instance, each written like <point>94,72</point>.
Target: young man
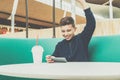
<point>74,47</point>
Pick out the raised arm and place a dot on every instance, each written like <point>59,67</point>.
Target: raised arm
<point>90,22</point>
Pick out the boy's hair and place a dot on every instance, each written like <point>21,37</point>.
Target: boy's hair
<point>66,21</point>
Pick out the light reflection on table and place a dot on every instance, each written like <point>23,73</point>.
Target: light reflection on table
<point>70,70</point>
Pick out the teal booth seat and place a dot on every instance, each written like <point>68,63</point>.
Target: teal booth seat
<point>16,51</point>
<point>105,49</point>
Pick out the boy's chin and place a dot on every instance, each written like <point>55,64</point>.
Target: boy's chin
<point>68,39</point>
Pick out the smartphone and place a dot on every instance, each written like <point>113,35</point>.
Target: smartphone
<point>59,59</point>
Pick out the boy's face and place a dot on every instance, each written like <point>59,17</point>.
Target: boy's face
<point>68,31</point>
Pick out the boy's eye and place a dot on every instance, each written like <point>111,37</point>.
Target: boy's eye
<point>62,31</point>
<point>68,30</point>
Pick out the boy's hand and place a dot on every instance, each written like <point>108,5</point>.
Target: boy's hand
<point>49,59</point>
<point>83,4</point>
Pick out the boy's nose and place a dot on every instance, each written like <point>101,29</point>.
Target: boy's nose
<point>65,33</point>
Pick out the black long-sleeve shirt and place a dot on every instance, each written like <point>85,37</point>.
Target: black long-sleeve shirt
<point>76,49</point>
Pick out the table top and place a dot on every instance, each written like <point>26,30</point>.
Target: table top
<point>70,70</point>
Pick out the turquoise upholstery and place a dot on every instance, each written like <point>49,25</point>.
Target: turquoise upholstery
<point>105,49</point>
<point>15,51</point>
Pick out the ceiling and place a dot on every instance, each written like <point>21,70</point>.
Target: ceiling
<point>41,14</point>
<point>103,7</point>
<point>116,3</point>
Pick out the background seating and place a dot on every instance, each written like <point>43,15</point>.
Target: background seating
<point>16,51</point>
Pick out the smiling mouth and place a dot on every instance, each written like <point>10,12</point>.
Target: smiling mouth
<point>67,38</point>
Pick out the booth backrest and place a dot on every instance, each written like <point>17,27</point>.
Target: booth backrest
<point>15,51</point>
<point>105,49</point>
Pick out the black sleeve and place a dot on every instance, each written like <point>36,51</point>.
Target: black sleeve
<point>56,51</point>
<point>90,26</point>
